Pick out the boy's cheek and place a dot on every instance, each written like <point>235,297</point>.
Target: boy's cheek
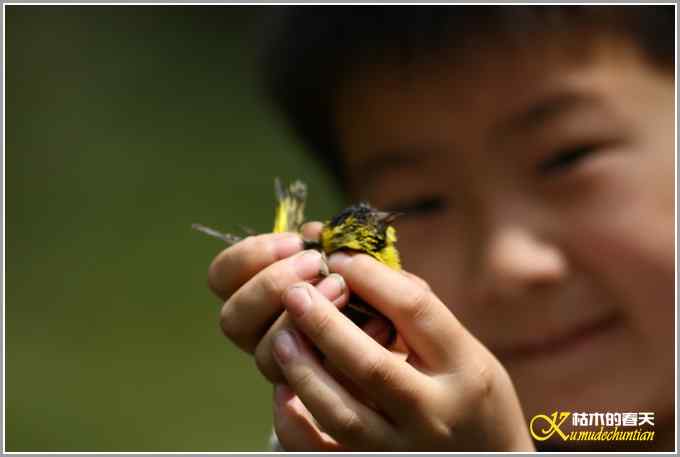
<point>632,266</point>
<point>630,251</point>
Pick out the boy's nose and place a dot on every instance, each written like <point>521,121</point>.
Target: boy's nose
<point>516,263</point>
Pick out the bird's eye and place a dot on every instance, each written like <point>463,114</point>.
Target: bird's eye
<point>564,160</point>
<point>419,206</point>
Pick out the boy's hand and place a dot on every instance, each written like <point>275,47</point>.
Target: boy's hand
<point>251,277</point>
<point>450,394</point>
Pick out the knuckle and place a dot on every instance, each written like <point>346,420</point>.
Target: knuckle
<point>262,359</point>
<point>216,279</point>
<point>478,382</point>
<point>265,363</point>
<point>414,399</point>
<point>249,243</point>
<point>485,381</point>
<point>423,283</point>
<point>322,325</point>
<point>272,283</point>
<point>232,259</point>
<point>249,252</point>
<point>302,379</point>
<point>277,278</point>
<point>417,303</point>
<point>417,279</point>
<point>346,425</point>
<point>226,320</point>
<point>376,370</point>
<point>231,328</point>
<point>435,414</point>
<point>439,430</point>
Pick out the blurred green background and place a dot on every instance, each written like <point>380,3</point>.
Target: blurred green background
<point>124,126</point>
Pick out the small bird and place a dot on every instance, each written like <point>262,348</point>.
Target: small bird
<point>359,228</point>
<point>363,228</point>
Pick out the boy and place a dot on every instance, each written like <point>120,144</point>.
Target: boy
<point>532,151</point>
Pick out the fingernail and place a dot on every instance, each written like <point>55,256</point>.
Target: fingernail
<point>325,269</point>
<point>284,347</point>
<point>297,300</point>
<point>338,260</point>
<point>332,287</point>
<point>285,247</point>
<point>308,264</point>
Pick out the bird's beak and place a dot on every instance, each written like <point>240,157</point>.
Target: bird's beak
<point>388,217</point>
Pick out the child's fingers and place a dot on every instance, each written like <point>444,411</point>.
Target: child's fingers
<point>311,230</point>
<point>237,264</point>
<point>249,312</point>
<point>350,423</point>
<point>388,381</point>
<point>333,288</point>
<point>264,359</point>
<point>295,427</point>
<point>420,281</point>
<point>426,324</point>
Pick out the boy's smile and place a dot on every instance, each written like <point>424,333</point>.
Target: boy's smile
<point>540,193</point>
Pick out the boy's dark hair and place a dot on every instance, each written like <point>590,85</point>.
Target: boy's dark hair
<point>314,48</point>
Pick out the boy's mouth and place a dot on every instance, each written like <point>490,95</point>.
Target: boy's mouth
<point>551,345</point>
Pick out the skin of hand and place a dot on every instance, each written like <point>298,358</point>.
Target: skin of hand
<point>250,278</point>
<point>255,276</point>
<point>449,394</point>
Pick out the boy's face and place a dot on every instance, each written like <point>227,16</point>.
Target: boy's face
<point>541,197</point>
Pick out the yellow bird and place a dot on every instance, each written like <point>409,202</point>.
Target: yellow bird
<point>359,227</point>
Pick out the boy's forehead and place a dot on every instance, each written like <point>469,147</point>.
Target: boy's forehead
<point>495,88</point>
<point>470,75</point>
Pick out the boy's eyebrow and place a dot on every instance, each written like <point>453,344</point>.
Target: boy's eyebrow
<point>546,109</point>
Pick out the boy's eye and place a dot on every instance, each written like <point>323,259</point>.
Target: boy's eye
<point>420,206</point>
<point>563,160</point>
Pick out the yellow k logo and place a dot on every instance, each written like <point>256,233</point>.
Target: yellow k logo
<point>552,425</point>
